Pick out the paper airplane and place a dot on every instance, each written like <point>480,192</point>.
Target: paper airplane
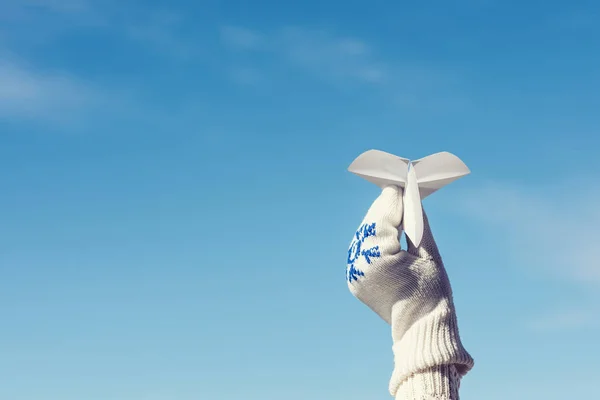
<point>418,178</point>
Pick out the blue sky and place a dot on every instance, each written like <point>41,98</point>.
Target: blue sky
<point>176,210</point>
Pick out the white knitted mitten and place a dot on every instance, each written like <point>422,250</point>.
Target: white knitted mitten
<point>410,290</point>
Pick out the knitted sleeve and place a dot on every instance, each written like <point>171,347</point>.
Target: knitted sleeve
<point>436,383</point>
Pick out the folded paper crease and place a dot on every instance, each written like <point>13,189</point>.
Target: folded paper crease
<point>419,179</point>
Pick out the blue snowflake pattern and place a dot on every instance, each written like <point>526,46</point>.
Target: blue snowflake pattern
<point>356,251</point>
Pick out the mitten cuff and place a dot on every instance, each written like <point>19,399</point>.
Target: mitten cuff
<point>431,341</point>
<point>436,383</point>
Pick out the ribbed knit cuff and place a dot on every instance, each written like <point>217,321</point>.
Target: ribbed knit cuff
<point>436,383</point>
<point>430,342</point>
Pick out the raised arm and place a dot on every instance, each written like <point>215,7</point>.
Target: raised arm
<point>410,290</point>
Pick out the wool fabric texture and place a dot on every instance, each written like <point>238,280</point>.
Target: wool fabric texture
<point>436,383</point>
<point>410,290</point>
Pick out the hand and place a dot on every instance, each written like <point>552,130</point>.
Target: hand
<point>409,289</point>
<point>381,274</point>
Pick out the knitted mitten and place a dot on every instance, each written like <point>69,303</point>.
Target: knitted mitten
<point>410,290</point>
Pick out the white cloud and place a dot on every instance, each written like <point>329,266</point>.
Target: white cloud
<point>45,18</point>
<point>241,38</point>
<point>555,229</point>
<point>61,100</point>
<point>30,91</point>
<point>317,51</point>
<point>345,61</point>
<point>67,6</point>
<point>39,21</point>
<point>159,31</point>
<point>565,319</point>
<point>553,232</point>
<point>25,93</point>
<point>331,56</point>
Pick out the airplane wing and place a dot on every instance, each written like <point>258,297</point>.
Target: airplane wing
<point>437,170</point>
<point>381,168</point>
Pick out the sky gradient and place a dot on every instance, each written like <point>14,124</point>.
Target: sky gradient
<point>175,208</point>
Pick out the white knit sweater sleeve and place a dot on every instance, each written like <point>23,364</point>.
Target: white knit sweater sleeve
<point>436,383</point>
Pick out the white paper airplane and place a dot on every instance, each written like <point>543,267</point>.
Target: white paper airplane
<point>418,178</point>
